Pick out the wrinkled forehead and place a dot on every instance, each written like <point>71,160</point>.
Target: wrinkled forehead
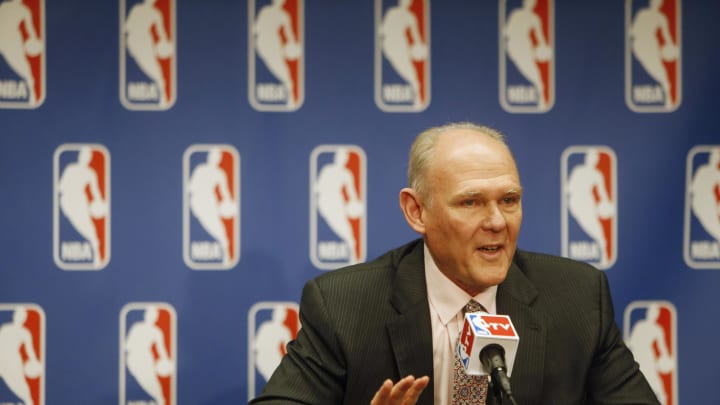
<point>483,148</point>
<point>472,156</point>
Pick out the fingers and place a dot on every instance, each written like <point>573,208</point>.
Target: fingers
<point>413,393</point>
<point>404,392</point>
<point>400,389</point>
<point>382,395</point>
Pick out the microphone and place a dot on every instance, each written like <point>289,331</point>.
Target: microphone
<point>487,346</point>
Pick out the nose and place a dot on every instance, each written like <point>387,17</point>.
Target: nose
<point>493,219</point>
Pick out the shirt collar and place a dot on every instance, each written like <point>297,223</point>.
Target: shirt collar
<point>446,297</point>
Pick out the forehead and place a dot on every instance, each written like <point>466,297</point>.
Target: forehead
<point>463,156</point>
<point>472,147</point>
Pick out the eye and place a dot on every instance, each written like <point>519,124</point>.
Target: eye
<point>468,203</point>
<point>511,200</point>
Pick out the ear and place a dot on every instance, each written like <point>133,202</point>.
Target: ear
<point>412,208</point>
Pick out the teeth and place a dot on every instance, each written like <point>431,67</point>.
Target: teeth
<point>490,249</point>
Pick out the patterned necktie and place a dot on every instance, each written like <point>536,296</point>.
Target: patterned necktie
<point>469,389</point>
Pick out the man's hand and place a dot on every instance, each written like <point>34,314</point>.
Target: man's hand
<point>405,392</point>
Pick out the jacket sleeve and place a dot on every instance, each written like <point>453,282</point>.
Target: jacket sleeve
<point>313,370</point>
<point>614,377</point>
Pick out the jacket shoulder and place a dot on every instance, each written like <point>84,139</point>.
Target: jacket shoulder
<point>535,265</point>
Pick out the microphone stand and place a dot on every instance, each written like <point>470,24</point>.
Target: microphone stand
<point>492,358</point>
<point>498,389</point>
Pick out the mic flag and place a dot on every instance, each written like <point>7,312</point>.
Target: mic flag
<point>481,330</point>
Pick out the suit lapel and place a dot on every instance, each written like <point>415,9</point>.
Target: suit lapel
<point>410,332</point>
<point>516,297</point>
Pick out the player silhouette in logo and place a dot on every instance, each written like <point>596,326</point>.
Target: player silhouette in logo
<point>14,337</point>
<point>142,338</point>
<point>270,340</point>
<point>399,51</point>
<point>333,181</point>
<point>74,203</point>
<point>582,183</point>
<point>645,336</point>
<point>206,182</point>
<point>646,46</point>
<point>142,21</point>
<point>521,25</point>
<point>12,46</point>
<point>704,200</point>
<point>270,46</point>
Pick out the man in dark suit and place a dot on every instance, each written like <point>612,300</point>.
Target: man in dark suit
<point>384,332</point>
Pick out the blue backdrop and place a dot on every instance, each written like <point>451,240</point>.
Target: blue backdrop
<point>161,166</point>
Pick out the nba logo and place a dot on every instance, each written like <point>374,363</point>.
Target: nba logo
<point>402,55</point>
<point>276,54</point>
<point>148,54</point>
<point>211,207</point>
<point>337,206</point>
<point>527,57</point>
<point>148,347</point>
<point>650,332</point>
<point>22,53</point>
<point>589,205</point>
<point>22,354</point>
<point>271,326</point>
<point>81,207</point>
<point>702,208</point>
<point>653,55</point>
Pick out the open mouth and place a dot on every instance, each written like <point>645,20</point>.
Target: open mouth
<point>490,249</point>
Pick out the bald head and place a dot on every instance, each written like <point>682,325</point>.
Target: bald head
<point>425,145</point>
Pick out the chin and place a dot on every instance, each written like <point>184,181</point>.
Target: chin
<point>493,275</point>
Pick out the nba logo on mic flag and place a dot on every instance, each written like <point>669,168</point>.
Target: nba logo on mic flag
<point>22,54</point>
<point>271,325</point>
<point>211,207</point>
<point>702,208</point>
<point>148,54</point>
<point>653,55</point>
<point>402,55</point>
<point>481,329</point>
<point>22,354</point>
<point>337,206</point>
<point>276,54</point>
<point>81,207</point>
<point>650,331</point>
<point>148,353</point>
<point>527,55</point>
<point>589,205</point>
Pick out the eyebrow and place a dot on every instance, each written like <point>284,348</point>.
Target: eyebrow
<point>473,193</point>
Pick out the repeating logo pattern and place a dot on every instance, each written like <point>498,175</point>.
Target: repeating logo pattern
<point>650,331</point>
<point>702,208</point>
<point>211,207</point>
<point>527,60</point>
<point>148,54</point>
<point>653,55</point>
<point>22,54</point>
<point>148,360</point>
<point>276,59</point>
<point>337,206</point>
<point>22,354</point>
<point>589,205</point>
<point>81,207</point>
<point>271,326</point>
<point>402,55</point>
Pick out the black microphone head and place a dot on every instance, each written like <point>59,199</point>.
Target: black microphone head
<point>492,357</point>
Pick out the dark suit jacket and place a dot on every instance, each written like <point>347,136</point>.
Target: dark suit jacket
<point>369,322</point>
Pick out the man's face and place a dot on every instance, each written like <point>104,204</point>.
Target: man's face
<point>472,224</point>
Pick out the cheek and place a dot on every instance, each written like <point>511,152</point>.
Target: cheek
<point>447,223</point>
<point>513,222</point>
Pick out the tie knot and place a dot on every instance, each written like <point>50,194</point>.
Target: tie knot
<point>474,306</point>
